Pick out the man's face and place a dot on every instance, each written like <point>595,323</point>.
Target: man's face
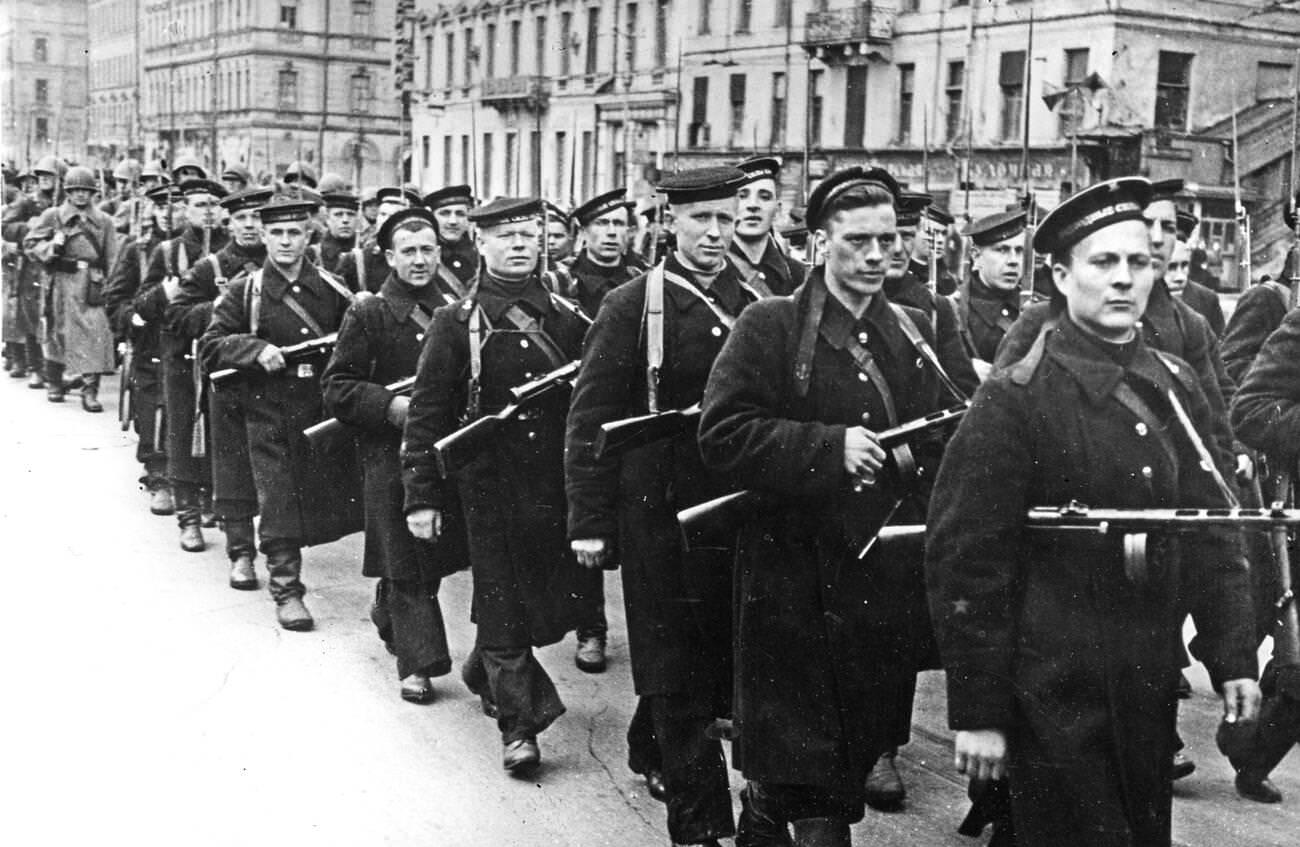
<point>901,254</point>
<point>234,184</point>
<point>510,250</point>
<point>80,197</point>
<point>29,186</point>
<point>1178,268</point>
<point>286,242</point>
<point>414,255</point>
<point>246,227</point>
<point>704,229</point>
<point>999,265</point>
<point>45,182</point>
<point>124,188</point>
<point>342,223</point>
<point>202,210</point>
<point>1162,224</point>
<point>858,247</point>
<point>370,211</point>
<point>187,173</point>
<point>557,238</point>
<point>607,235</point>
<point>1109,279</point>
<point>756,205</point>
<point>453,221</point>
<point>387,209</point>
<point>149,183</point>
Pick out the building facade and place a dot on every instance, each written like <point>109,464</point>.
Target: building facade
<point>43,80</point>
<point>114,120</point>
<point>262,84</point>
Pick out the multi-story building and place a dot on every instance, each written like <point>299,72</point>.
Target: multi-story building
<point>264,83</point>
<point>966,99</point>
<point>114,81</point>
<point>43,79</point>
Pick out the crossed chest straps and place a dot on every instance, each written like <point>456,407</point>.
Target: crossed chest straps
<point>253,302</point>
<point>480,329</point>
<point>449,279</point>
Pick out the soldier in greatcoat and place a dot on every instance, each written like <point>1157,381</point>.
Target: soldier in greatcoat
<point>603,262</point>
<point>451,205</point>
<point>825,643</point>
<point>25,282</point>
<point>1178,276</point>
<point>623,510</point>
<point>186,319</point>
<point>757,256</point>
<point>1261,308</point>
<point>989,303</point>
<point>1061,651</point>
<point>301,500</point>
<point>527,585</point>
<point>341,228</point>
<point>379,344</point>
<point>364,267</point>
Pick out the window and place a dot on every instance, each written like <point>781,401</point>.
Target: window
<point>588,163</point>
<point>698,132</point>
<point>466,159</point>
<point>516,28</point>
<point>909,5</point>
<point>1011,79</point>
<point>815,107</point>
<point>661,33</point>
<point>363,16</point>
<point>535,161</point>
<point>1274,81</point>
<point>593,39</point>
<point>447,157</point>
<point>424,153</point>
<point>40,51</point>
<point>540,34</point>
<point>784,14</point>
<point>779,93</point>
<point>359,93</point>
<point>486,173</point>
<point>289,15</point>
<point>43,129</point>
<point>428,62</point>
<point>1076,71</point>
<point>490,45</point>
<point>744,15</point>
<point>471,56</point>
<point>736,126</point>
<point>632,14</point>
<point>855,105</point>
<point>1173,83</point>
<point>512,163</point>
<point>953,89</point>
<point>906,97</point>
<point>287,89</point>
<point>42,91</point>
<point>566,44</point>
<point>706,14</point>
<point>451,59</point>
<point>562,166</point>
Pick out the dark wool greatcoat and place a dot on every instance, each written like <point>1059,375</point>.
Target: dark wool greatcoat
<point>1206,304</point>
<point>527,584</point>
<point>986,315</point>
<point>1266,411</point>
<point>590,282</point>
<point>941,313</point>
<point>1047,636</point>
<point>330,251</point>
<point>1259,311</point>
<point>25,281</point>
<point>379,344</point>
<point>146,374</point>
<point>299,495</point>
<point>678,604</point>
<point>780,273</point>
<point>375,268</point>
<point>460,257</point>
<point>77,334</point>
<point>823,640</point>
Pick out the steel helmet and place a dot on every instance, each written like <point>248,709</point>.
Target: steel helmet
<point>50,165</point>
<point>188,162</point>
<point>127,169</point>
<point>331,183</point>
<point>80,177</point>
<point>300,172</point>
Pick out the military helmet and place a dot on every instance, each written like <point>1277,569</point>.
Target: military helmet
<point>188,162</point>
<point>300,172</point>
<point>237,172</point>
<point>50,165</point>
<point>331,183</point>
<point>154,170</point>
<point>127,169</point>
<point>80,177</point>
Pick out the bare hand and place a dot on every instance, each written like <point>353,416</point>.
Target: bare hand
<point>1245,468</point>
<point>591,552</point>
<point>171,287</point>
<point>398,409</point>
<point>982,368</point>
<point>425,523</point>
<point>271,359</point>
<point>863,455</point>
<point>1240,700</point>
<point>981,753</point>
<point>137,321</point>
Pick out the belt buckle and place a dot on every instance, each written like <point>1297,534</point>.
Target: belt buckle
<point>306,370</point>
<point>82,264</point>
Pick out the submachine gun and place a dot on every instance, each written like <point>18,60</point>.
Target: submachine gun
<point>328,435</point>
<point>292,354</point>
<point>621,436</point>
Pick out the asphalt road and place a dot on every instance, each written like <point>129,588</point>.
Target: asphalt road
<point>146,703</point>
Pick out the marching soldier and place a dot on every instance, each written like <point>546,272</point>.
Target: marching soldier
<point>559,238</point>
<point>753,250</point>
<point>186,319</point>
<point>187,167</point>
<point>125,176</point>
<point>235,178</point>
<point>341,228</point>
<point>364,267</point>
<point>148,410</point>
<point>527,587</point>
<point>1179,277</point>
<point>451,205</point>
<point>603,263</point>
<point>1261,309</point>
<point>49,178</point>
<point>650,350</point>
<point>170,262</point>
<point>989,304</point>
<point>1065,675</point>
<point>301,499</point>
<point>379,344</point>
<point>82,248</point>
<point>298,175</point>
<point>25,283</point>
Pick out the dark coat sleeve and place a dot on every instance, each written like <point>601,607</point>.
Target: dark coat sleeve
<point>190,313</point>
<point>743,432</point>
<point>349,392</point>
<point>612,363</point>
<point>1201,351</point>
<point>951,351</point>
<point>1259,311</point>
<point>119,290</point>
<point>1266,412</point>
<point>1020,337</point>
<point>150,298</point>
<point>436,404</point>
<point>227,343</point>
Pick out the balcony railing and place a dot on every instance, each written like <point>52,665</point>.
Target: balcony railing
<point>526,92</point>
<point>868,23</point>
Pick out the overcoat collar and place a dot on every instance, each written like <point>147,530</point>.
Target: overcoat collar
<point>1087,363</point>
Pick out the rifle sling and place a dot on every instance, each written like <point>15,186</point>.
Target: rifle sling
<point>923,347</point>
<point>451,281</point>
<point>862,358</point>
<point>303,314</point>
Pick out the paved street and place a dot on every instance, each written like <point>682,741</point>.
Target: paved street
<point>147,703</point>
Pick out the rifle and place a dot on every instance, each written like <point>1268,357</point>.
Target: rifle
<point>199,432</point>
<point>124,393</point>
<point>1286,636</point>
<point>460,448</point>
<point>1077,516</point>
<point>618,437</point>
<point>292,353</point>
<point>708,523</point>
<point>327,435</point>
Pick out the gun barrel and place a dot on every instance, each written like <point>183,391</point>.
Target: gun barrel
<point>1155,520</point>
<point>560,374</point>
<point>461,447</point>
<point>908,429</point>
<point>620,436</point>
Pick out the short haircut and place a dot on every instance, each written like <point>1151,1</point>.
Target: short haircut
<point>866,194</point>
<point>413,225</point>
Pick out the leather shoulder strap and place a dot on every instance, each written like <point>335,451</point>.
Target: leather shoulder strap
<point>923,347</point>
<point>654,333</point>
<point>253,300</point>
<point>337,284</point>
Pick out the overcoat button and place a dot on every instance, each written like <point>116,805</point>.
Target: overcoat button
<point>304,330</point>
<point>523,342</point>
<point>717,332</point>
<point>419,336</point>
<point>862,377</point>
<point>862,338</point>
<point>1141,428</point>
<point>1146,472</point>
<point>297,289</point>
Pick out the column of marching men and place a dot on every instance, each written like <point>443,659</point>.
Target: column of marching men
<point>812,476</point>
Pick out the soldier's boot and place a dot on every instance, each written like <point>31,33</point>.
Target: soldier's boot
<point>241,552</point>
<point>380,616</point>
<point>760,825</point>
<point>1278,731</point>
<point>16,360</point>
<point>35,363</point>
<point>161,501</point>
<point>90,393</point>
<point>54,389</point>
<point>208,517</point>
<point>284,566</point>
<point>884,789</point>
<point>590,655</point>
<point>186,497</point>
<point>821,832</point>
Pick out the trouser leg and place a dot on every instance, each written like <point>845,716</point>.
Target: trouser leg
<point>35,356</point>
<point>419,636</point>
<point>284,568</point>
<point>592,621</point>
<point>821,832</point>
<point>524,694</point>
<point>239,538</point>
<point>695,772</point>
<point>380,616</point>
<point>643,754</point>
<point>761,822</point>
<point>186,495</point>
<point>54,387</point>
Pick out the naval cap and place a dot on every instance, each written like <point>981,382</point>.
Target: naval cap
<point>394,194</point>
<point>601,204</point>
<point>840,182</point>
<point>253,197</point>
<point>760,167</point>
<point>384,238</point>
<point>165,193</point>
<point>451,195</point>
<point>1166,189</point>
<point>1093,208</point>
<point>287,205</point>
<point>554,212</point>
<point>506,210</point>
<point>192,187</point>
<point>340,200</point>
<point>991,229</point>
<point>1186,223</point>
<point>701,184</point>
<point>910,206</point>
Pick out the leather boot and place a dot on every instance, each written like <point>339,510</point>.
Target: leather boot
<point>241,552</point>
<point>884,789</point>
<point>17,361</point>
<point>90,394</point>
<point>760,825</point>
<point>36,380</point>
<point>160,500</point>
<point>35,363</point>
<point>284,565</point>
<point>207,517</point>
<point>185,497</point>
<point>54,389</point>
<point>821,832</point>
<point>1278,731</point>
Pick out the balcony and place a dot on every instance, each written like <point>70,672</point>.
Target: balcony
<point>529,93</point>
<point>850,36</point>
